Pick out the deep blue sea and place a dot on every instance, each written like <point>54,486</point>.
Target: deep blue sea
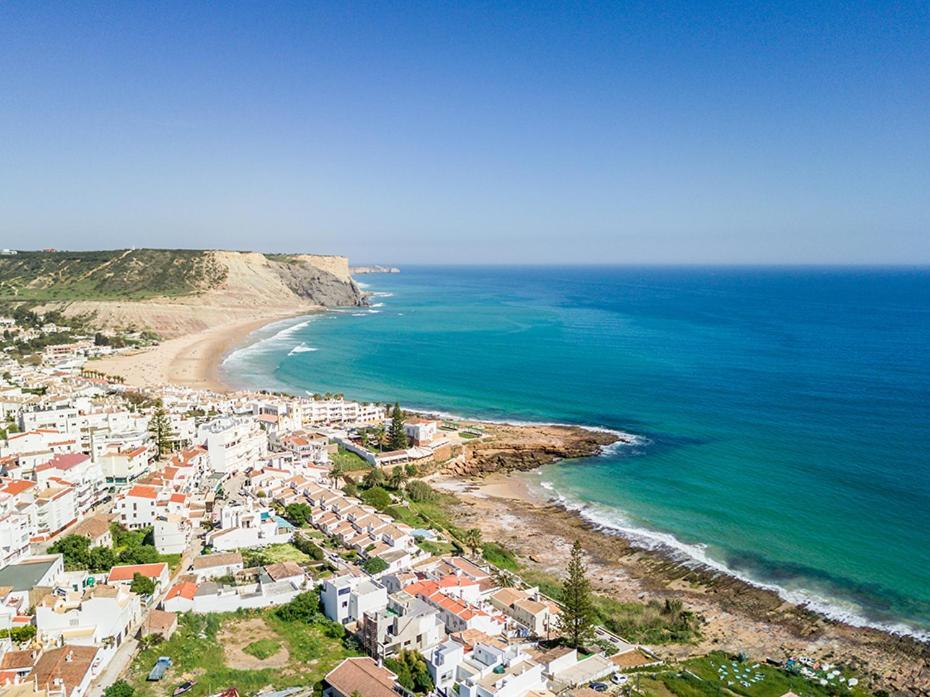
<point>783,413</point>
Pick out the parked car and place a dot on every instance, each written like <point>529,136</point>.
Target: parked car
<point>619,679</point>
<point>599,686</point>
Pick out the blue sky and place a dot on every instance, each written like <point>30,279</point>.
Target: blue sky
<point>471,132</point>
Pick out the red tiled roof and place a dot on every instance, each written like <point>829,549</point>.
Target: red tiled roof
<point>126,573</point>
<point>143,492</point>
<point>185,589</point>
<point>64,461</point>
<point>18,486</point>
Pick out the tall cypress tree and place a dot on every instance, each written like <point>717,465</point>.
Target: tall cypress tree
<point>397,436</point>
<point>576,623</point>
<point>160,428</point>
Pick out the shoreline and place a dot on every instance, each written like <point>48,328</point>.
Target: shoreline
<point>192,360</point>
<point>739,615</point>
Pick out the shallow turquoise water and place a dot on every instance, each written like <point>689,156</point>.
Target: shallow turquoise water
<point>785,413</point>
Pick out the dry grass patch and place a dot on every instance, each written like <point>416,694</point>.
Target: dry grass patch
<point>237,636</point>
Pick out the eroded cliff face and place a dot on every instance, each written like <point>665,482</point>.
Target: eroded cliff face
<point>245,285</point>
<point>323,280</point>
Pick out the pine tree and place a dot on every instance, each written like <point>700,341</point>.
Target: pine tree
<point>397,436</point>
<point>576,622</point>
<point>160,428</point>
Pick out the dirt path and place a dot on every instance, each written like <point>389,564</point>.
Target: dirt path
<point>235,636</point>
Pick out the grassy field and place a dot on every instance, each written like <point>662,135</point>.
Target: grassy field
<point>106,275</point>
<point>350,461</point>
<point>214,650</point>
<point>274,554</point>
<point>262,648</point>
<point>438,548</point>
<point>718,674</point>
<point>500,556</point>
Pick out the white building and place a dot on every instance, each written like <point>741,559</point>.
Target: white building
<point>243,526</point>
<point>139,507</point>
<point>56,509</point>
<point>80,472</point>
<point>121,466</point>
<point>233,443</point>
<point>101,615</point>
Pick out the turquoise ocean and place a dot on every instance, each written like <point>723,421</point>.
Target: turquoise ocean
<point>782,415</point>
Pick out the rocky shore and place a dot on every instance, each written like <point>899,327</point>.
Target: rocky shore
<point>519,448</point>
<point>737,616</point>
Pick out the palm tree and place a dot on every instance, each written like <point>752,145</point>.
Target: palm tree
<point>503,579</point>
<point>336,472</point>
<point>472,539</point>
<point>397,478</point>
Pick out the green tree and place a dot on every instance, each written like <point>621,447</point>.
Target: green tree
<point>412,673</point>
<point>303,608</point>
<point>336,473</point>
<point>120,688</point>
<point>101,559</point>
<point>576,621</point>
<point>471,538</point>
<point>160,428</point>
<point>76,551</point>
<point>298,513</point>
<point>375,565</point>
<point>377,497</point>
<point>375,477</point>
<point>142,585</point>
<point>397,436</point>
<point>419,491</point>
<point>397,478</point>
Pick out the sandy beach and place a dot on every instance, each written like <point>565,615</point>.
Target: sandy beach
<point>188,361</point>
<point>737,616</point>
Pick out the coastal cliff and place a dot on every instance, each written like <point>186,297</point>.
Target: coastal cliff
<point>177,292</point>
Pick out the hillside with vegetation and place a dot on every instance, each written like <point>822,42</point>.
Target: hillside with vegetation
<point>174,291</point>
<point>131,274</point>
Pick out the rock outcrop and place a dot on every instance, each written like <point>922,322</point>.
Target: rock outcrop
<point>520,448</point>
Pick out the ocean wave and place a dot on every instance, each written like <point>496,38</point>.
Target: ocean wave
<point>381,294</point>
<point>274,341</point>
<point>695,555</point>
<point>374,312</point>
<point>301,348</point>
<point>377,305</point>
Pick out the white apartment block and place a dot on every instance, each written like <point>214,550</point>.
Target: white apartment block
<point>233,443</point>
<point>339,411</point>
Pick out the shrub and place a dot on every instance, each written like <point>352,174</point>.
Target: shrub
<point>303,608</point>
<point>419,491</point>
<point>120,688</point>
<point>377,497</point>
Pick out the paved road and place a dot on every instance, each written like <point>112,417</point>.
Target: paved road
<point>119,663</point>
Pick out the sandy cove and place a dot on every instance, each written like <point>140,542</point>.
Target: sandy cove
<point>737,616</point>
<point>192,360</point>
